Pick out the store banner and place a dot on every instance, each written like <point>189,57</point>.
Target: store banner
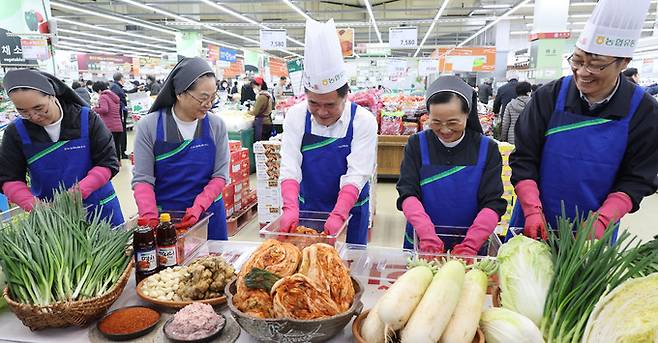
<point>35,49</point>
<point>273,39</point>
<point>427,67</point>
<point>103,63</point>
<point>278,68</point>
<point>346,38</point>
<point>234,69</point>
<point>213,52</point>
<point>189,44</point>
<point>478,59</point>
<point>228,55</point>
<point>295,72</point>
<point>403,37</point>
<point>24,19</point>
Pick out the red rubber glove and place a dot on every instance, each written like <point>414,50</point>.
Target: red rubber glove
<point>415,213</point>
<point>615,206</point>
<point>481,229</point>
<point>202,201</point>
<point>347,197</point>
<point>96,178</point>
<point>145,199</point>
<point>19,193</point>
<point>290,196</point>
<point>535,223</point>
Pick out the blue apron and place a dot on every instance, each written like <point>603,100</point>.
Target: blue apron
<point>324,161</point>
<point>449,195</point>
<point>65,163</point>
<point>182,170</point>
<point>580,160</point>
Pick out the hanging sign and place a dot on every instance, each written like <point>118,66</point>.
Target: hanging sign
<point>403,37</point>
<point>272,39</point>
<point>427,67</point>
<point>295,71</point>
<point>213,52</point>
<point>228,55</point>
<point>396,68</point>
<point>346,39</point>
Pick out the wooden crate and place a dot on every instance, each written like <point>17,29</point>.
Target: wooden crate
<point>238,221</point>
<point>390,151</point>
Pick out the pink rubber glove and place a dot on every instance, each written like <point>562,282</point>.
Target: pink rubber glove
<point>615,206</point>
<point>347,197</point>
<point>415,213</point>
<point>145,199</point>
<point>483,226</point>
<point>19,193</point>
<point>96,178</point>
<point>202,201</point>
<point>528,195</point>
<point>290,196</point>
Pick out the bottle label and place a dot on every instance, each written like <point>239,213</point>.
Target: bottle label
<point>146,260</point>
<point>167,256</point>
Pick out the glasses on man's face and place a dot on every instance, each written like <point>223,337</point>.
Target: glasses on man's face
<point>204,101</point>
<point>592,68</point>
<point>39,110</point>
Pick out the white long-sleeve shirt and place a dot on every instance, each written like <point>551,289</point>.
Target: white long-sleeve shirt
<point>360,162</point>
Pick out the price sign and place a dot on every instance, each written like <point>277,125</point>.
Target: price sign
<point>427,67</point>
<point>272,39</point>
<point>403,37</point>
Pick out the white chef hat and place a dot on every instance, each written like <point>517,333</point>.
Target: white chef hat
<point>614,27</point>
<point>324,68</point>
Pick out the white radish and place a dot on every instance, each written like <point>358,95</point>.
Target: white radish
<point>373,329</point>
<point>464,322</point>
<point>399,302</point>
<point>433,313</point>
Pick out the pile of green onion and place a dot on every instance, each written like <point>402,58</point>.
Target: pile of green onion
<point>59,253</point>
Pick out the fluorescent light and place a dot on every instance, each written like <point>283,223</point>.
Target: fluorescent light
<point>104,49</point>
<point>505,15</point>
<point>78,40</point>
<point>114,39</point>
<point>243,18</point>
<point>372,20</point>
<point>583,3</point>
<point>429,31</point>
<point>495,6</point>
<point>115,17</point>
<point>106,29</point>
<point>77,48</point>
<point>297,9</point>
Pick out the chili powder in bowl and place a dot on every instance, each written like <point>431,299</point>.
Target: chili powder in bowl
<point>128,322</point>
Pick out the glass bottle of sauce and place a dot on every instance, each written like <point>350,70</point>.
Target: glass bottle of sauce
<point>166,239</point>
<point>146,262</point>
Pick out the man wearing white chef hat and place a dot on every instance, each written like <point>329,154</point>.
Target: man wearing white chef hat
<point>588,139</point>
<point>329,143</point>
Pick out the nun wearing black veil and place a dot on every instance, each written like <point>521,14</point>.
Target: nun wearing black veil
<point>59,142</point>
<point>450,187</point>
<point>181,151</point>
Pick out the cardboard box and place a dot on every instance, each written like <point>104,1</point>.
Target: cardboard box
<point>235,157</point>
<point>264,147</point>
<point>229,193</point>
<point>244,154</point>
<point>234,146</point>
<point>244,165</point>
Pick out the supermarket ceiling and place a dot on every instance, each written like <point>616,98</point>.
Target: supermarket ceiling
<point>149,27</point>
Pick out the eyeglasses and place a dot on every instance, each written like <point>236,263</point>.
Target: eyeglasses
<point>208,102</point>
<point>39,110</point>
<point>452,126</point>
<point>591,68</point>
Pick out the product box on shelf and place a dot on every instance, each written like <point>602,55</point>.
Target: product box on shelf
<point>268,163</point>
<point>244,154</point>
<point>234,146</point>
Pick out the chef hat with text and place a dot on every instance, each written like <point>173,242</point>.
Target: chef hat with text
<point>614,28</point>
<point>324,68</point>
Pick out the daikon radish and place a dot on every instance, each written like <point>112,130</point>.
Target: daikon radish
<point>435,309</point>
<point>464,322</point>
<point>373,329</point>
<point>399,302</point>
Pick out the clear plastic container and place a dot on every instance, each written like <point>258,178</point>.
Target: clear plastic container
<point>451,235</point>
<point>309,219</point>
<point>375,265</point>
<point>234,253</point>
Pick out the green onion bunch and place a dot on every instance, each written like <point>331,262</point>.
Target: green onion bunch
<point>586,270</point>
<point>59,253</point>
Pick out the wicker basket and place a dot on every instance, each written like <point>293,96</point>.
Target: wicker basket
<point>63,314</point>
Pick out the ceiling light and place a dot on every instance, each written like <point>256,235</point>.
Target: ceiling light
<point>429,31</point>
<point>104,49</point>
<point>60,30</point>
<point>69,47</point>
<point>115,17</point>
<point>78,40</point>
<point>495,6</point>
<point>372,20</point>
<point>106,29</point>
<point>486,27</point>
<point>297,9</point>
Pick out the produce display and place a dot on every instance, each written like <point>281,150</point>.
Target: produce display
<point>128,320</point>
<point>194,322</point>
<point>58,254</point>
<point>204,278</point>
<point>3,284</point>
<point>279,281</point>
<point>501,325</point>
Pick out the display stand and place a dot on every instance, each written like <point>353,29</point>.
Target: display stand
<point>390,151</point>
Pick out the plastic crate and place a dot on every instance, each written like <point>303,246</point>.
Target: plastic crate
<point>309,219</point>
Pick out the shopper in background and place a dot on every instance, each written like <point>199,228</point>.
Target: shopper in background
<point>152,86</point>
<point>181,150</point>
<point>588,140</point>
<point>450,179</point>
<point>89,84</point>
<point>234,89</point>
<point>81,92</point>
<point>329,143</point>
<point>262,111</point>
<point>485,91</point>
<point>224,86</point>
<point>247,93</point>
<point>632,75</point>
<point>109,109</point>
<point>58,142</point>
<point>514,110</point>
<point>117,88</point>
<point>505,94</point>
<point>281,87</point>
